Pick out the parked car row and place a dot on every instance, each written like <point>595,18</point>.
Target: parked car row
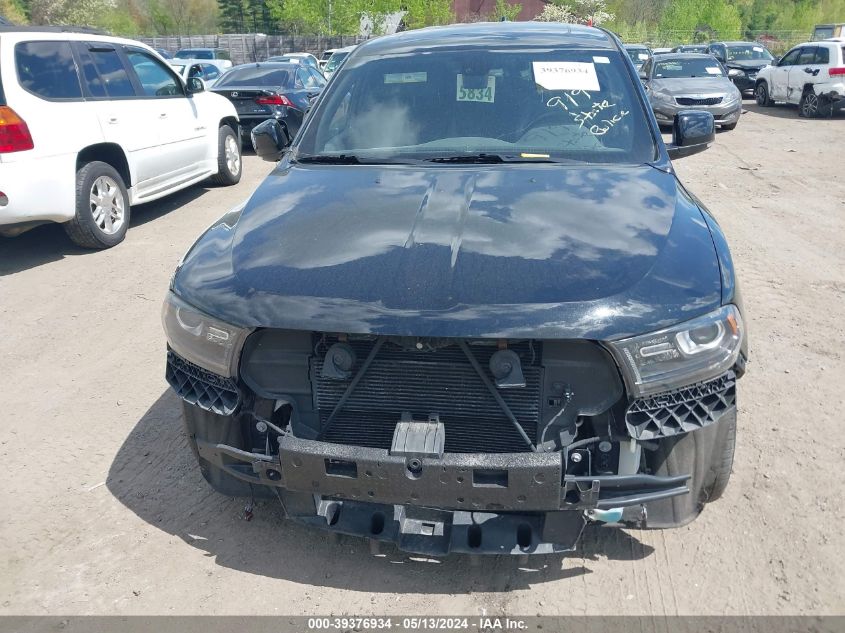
<point>715,77</point>
<point>143,127</point>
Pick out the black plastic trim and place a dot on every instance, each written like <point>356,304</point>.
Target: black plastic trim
<point>681,410</point>
<point>201,387</point>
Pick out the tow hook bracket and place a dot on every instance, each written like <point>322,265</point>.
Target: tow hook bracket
<point>613,515</point>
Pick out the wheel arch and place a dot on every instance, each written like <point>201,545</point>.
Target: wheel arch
<point>232,122</point>
<point>109,153</point>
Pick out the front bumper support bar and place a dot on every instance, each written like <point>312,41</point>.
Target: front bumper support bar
<point>526,482</point>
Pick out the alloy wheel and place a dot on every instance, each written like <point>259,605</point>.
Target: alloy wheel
<point>233,155</point>
<point>810,105</point>
<point>108,208</point>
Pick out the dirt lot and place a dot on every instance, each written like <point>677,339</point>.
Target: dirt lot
<point>104,510</point>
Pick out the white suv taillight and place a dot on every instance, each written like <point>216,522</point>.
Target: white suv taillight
<point>14,133</point>
<point>836,71</point>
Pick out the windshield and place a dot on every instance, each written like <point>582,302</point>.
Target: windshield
<point>748,51</point>
<point>678,68</point>
<point>638,55</point>
<point>256,76</point>
<point>570,105</point>
<point>194,54</point>
<point>334,61</point>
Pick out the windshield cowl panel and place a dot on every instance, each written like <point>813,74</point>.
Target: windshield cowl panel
<point>567,105</point>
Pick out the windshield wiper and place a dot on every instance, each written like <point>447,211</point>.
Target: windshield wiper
<point>469,159</point>
<point>329,159</point>
<point>495,159</point>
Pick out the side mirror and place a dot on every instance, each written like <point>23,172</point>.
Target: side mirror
<point>643,76</point>
<point>195,85</point>
<point>692,132</point>
<point>775,61</point>
<point>270,139</point>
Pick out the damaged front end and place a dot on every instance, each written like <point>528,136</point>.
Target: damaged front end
<point>450,444</point>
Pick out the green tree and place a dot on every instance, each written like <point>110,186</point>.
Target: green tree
<point>701,20</point>
<point>343,17</point>
<point>506,10</point>
<point>556,13</point>
<point>421,13</point>
<point>13,11</point>
<point>245,16</point>
<point>71,12</point>
<point>576,11</point>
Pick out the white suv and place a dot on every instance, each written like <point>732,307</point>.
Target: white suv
<point>811,75</point>
<point>90,125</point>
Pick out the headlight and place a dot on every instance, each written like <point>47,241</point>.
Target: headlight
<point>736,72</point>
<point>681,355</point>
<point>201,339</point>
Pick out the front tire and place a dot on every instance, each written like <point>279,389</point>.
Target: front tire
<point>229,158</point>
<point>707,455</point>
<point>102,207</point>
<point>761,95</point>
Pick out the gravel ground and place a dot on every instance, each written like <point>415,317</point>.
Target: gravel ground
<point>104,510</point>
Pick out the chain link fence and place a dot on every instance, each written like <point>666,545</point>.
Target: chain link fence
<point>253,47</point>
<point>778,42</point>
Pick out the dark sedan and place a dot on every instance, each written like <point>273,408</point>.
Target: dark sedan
<point>270,90</point>
<point>472,309</point>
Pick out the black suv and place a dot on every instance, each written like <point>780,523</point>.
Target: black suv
<point>743,60</point>
<point>472,309</point>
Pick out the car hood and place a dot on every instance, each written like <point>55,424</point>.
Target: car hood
<point>500,250</point>
<point>694,86</point>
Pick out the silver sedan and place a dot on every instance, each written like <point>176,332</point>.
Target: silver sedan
<point>691,81</point>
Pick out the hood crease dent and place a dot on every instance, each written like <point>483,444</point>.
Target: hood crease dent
<point>510,251</point>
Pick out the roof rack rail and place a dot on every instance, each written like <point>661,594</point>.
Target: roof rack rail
<point>6,27</point>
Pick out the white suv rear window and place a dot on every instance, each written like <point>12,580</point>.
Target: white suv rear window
<point>47,69</point>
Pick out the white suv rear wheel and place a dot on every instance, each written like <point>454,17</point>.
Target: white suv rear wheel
<point>102,207</point>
